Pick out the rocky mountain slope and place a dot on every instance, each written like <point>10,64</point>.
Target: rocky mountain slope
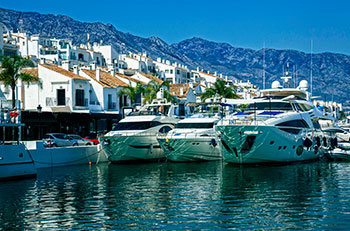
<point>331,72</point>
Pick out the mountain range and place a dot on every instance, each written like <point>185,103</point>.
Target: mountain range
<point>331,71</point>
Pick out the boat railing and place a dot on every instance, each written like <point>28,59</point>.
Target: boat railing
<point>185,135</point>
<point>132,134</point>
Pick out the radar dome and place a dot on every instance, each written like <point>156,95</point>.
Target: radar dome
<point>303,84</point>
<point>276,84</point>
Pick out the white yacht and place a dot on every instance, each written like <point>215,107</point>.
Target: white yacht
<point>280,126</point>
<point>193,139</point>
<point>134,137</point>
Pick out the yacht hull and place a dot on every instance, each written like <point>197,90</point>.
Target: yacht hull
<point>247,144</point>
<point>190,149</point>
<point>16,162</point>
<point>132,148</point>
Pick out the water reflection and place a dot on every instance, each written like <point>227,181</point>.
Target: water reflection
<point>208,195</point>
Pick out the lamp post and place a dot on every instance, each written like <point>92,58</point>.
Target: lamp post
<point>39,113</point>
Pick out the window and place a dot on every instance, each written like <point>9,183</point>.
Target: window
<point>294,123</point>
<point>270,106</point>
<point>135,125</point>
<point>171,71</point>
<point>165,129</point>
<point>80,57</point>
<point>194,125</point>
<point>304,107</point>
<point>79,97</point>
<point>110,105</point>
<point>166,71</point>
<point>178,72</point>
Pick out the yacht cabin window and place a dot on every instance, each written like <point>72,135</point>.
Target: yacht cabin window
<point>294,123</point>
<point>135,125</point>
<point>195,125</point>
<point>266,106</point>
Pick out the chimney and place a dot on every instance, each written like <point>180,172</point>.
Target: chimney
<point>191,85</point>
<point>167,62</point>
<point>159,60</point>
<point>66,65</point>
<point>42,61</point>
<point>98,74</point>
<point>112,72</point>
<point>197,69</point>
<point>75,69</point>
<point>221,76</point>
<point>208,72</point>
<point>93,66</point>
<point>181,91</point>
<point>215,73</point>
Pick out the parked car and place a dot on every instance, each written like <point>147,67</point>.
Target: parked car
<point>92,137</point>
<point>58,140</point>
<point>80,140</point>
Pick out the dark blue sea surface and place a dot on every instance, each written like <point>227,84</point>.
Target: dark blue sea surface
<point>180,196</point>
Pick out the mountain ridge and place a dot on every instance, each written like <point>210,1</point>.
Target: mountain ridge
<point>331,71</point>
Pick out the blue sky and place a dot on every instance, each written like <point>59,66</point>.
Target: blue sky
<point>250,23</point>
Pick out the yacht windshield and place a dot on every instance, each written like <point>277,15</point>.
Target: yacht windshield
<point>194,125</point>
<point>265,106</point>
<point>135,125</point>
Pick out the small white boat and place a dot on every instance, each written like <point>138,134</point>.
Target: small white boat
<point>64,156</point>
<point>193,139</point>
<point>16,162</point>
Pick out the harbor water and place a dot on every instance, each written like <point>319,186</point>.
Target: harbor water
<point>180,196</point>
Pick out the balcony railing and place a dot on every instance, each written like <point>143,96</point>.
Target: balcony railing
<point>52,102</point>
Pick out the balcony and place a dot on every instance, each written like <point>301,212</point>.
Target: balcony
<point>81,104</point>
<point>53,102</point>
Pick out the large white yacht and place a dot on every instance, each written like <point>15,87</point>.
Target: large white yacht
<point>134,137</point>
<point>280,126</point>
<point>193,139</point>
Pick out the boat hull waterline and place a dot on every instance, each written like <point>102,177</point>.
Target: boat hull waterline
<point>132,148</point>
<point>190,149</point>
<point>248,144</point>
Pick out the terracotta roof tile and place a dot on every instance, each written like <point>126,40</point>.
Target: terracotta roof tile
<point>210,75</point>
<point>151,77</point>
<point>31,71</point>
<point>175,89</point>
<point>106,79</point>
<point>63,71</point>
<point>130,79</point>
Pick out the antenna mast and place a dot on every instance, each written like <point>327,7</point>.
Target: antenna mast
<point>264,67</point>
<point>311,67</point>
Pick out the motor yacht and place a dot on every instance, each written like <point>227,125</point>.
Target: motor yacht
<point>282,125</point>
<point>134,137</point>
<point>193,139</point>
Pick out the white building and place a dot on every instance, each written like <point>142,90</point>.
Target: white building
<point>58,90</point>
<point>132,63</point>
<point>174,73</point>
<point>110,55</point>
<point>104,91</point>
<point>184,93</point>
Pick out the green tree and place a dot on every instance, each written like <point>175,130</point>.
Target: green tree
<point>12,72</point>
<point>220,90</point>
<point>153,88</point>
<point>132,92</point>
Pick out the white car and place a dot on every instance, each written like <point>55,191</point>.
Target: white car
<point>80,140</point>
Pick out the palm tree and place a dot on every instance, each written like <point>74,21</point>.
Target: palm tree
<point>132,92</point>
<point>220,90</point>
<point>153,88</point>
<point>11,73</point>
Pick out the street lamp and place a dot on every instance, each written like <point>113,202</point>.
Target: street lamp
<point>39,112</point>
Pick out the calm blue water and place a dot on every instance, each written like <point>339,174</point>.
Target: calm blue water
<point>173,196</point>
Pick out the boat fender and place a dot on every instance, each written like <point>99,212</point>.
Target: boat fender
<point>307,143</point>
<point>299,150</point>
<point>318,141</point>
<point>324,139</point>
<point>213,142</point>
<point>151,148</point>
<point>316,149</point>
